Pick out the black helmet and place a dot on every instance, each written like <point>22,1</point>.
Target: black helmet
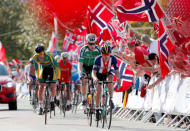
<point>106,49</point>
<point>91,38</point>
<point>39,48</point>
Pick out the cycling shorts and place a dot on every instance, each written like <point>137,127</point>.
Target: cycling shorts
<point>47,71</point>
<point>33,78</point>
<point>103,76</point>
<point>87,69</point>
<point>75,78</point>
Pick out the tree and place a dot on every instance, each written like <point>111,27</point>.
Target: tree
<point>10,15</point>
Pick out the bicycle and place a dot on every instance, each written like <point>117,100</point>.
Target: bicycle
<point>90,100</point>
<point>34,96</point>
<point>47,99</point>
<point>63,99</point>
<point>76,97</point>
<point>105,105</point>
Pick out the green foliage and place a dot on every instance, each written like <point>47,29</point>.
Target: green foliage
<point>10,15</point>
<point>145,28</point>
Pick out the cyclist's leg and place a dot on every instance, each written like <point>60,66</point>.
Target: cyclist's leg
<point>53,92</point>
<point>58,90</point>
<point>41,97</point>
<point>68,90</point>
<point>110,86</point>
<point>83,91</point>
<point>30,86</point>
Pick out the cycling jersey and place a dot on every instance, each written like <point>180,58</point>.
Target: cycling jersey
<point>65,71</point>
<point>46,67</point>
<point>75,75</point>
<point>99,65</point>
<point>87,56</point>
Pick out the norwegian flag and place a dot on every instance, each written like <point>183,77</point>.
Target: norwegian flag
<point>15,62</point>
<point>165,48</point>
<point>126,76</point>
<point>3,58</point>
<point>69,42</point>
<point>79,40</point>
<point>52,43</point>
<point>120,28</point>
<point>99,17</point>
<point>139,10</point>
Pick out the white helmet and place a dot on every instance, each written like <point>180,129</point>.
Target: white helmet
<point>64,54</point>
<point>91,38</point>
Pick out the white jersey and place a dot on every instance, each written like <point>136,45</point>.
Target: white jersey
<point>153,48</point>
<point>27,70</point>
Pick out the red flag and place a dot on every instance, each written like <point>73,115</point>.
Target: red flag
<point>52,43</point>
<point>17,61</point>
<point>165,48</point>
<point>3,58</point>
<point>80,31</point>
<point>139,10</point>
<point>126,76</point>
<point>99,17</point>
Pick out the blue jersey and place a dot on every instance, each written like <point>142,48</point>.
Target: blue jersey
<point>99,65</point>
<point>75,75</point>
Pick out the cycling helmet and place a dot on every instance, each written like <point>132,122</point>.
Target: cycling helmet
<point>31,61</point>
<point>91,38</point>
<point>39,48</point>
<point>64,54</point>
<point>105,49</point>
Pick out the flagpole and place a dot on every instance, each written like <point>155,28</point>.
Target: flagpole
<point>56,36</point>
<point>111,36</point>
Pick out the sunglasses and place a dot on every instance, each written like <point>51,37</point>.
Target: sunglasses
<point>91,44</point>
<point>106,54</point>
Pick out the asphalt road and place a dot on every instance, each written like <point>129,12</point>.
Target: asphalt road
<point>24,119</point>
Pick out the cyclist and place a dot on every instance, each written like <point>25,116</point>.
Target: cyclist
<point>102,72</point>
<point>45,65</point>
<point>30,75</point>
<point>87,56</point>
<point>66,68</point>
<point>75,78</point>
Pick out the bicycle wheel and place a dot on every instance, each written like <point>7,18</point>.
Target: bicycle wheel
<point>91,109</point>
<point>34,102</point>
<point>62,104</point>
<point>75,102</point>
<point>108,116</point>
<point>46,105</point>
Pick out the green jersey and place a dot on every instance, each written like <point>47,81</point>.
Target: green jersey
<point>87,56</point>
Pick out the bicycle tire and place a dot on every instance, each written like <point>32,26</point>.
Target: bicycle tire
<point>46,107</point>
<point>109,114</point>
<point>62,104</point>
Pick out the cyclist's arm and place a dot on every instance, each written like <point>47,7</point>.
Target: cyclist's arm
<point>94,75</point>
<point>116,68</point>
<point>81,59</point>
<point>37,74</point>
<point>95,69</point>
<point>80,67</point>
<point>57,68</point>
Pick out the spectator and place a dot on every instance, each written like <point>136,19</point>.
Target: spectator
<point>151,44</point>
